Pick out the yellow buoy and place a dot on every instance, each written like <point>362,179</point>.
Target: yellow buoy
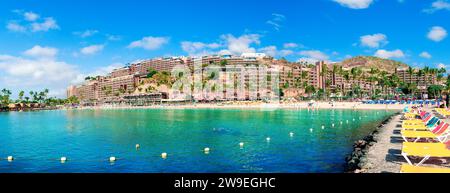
<point>10,158</point>
<point>138,146</point>
<point>164,155</point>
<point>112,159</point>
<point>206,150</point>
<point>241,144</point>
<point>63,159</point>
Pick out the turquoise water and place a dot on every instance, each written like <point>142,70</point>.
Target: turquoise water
<point>88,138</point>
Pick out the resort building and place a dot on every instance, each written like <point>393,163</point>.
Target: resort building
<point>251,76</point>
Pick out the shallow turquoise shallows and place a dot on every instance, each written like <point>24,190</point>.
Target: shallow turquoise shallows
<point>88,138</point>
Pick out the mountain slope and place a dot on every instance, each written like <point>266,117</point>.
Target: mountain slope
<point>367,62</point>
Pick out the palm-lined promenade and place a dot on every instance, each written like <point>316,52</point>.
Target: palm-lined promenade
<point>256,77</point>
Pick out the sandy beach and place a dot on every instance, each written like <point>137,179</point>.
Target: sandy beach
<point>259,105</point>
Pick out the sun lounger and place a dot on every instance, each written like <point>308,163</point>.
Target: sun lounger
<point>430,124</point>
<point>440,133</point>
<point>417,169</point>
<point>425,151</point>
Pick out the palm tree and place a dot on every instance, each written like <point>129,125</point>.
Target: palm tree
<point>21,94</point>
<point>324,74</point>
<point>420,74</point>
<point>346,76</point>
<point>372,78</point>
<point>426,72</point>
<point>356,75</point>
<point>5,97</point>
<point>410,71</point>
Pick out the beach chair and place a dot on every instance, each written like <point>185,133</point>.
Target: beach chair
<point>424,151</point>
<point>411,118</point>
<point>431,123</point>
<point>440,133</point>
<point>406,168</point>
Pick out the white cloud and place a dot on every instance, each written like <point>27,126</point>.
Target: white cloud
<point>285,52</point>
<point>290,45</point>
<point>425,55</point>
<point>441,65</point>
<point>41,52</point>
<point>113,37</point>
<point>438,5</point>
<point>86,33</point>
<point>18,73</point>
<point>199,48</point>
<point>437,34</point>
<point>276,21</point>
<point>30,16</point>
<point>274,52</point>
<point>355,4</point>
<point>242,44</point>
<point>314,55</point>
<point>389,54</point>
<point>48,24</point>
<point>93,49</point>
<point>150,43</point>
<point>31,22</point>
<point>15,27</point>
<point>374,41</point>
<point>269,50</point>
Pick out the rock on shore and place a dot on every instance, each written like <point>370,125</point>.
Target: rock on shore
<point>357,161</point>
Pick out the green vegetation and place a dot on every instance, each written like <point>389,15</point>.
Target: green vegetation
<point>33,97</point>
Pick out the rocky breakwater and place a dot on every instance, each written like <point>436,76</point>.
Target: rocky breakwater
<point>357,161</point>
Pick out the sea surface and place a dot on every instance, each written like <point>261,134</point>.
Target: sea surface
<point>88,138</point>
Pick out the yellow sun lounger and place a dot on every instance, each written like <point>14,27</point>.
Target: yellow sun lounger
<point>417,135</point>
<point>410,115</point>
<point>425,150</point>
<point>417,169</point>
<point>415,127</point>
<point>413,121</point>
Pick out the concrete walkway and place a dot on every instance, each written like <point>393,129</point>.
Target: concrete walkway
<point>385,156</point>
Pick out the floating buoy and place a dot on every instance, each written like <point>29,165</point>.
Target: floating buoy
<point>360,118</point>
<point>291,134</point>
<point>332,125</point>
<point>241,144</point>
<point>164,155</point>
<point>347,121</point>
<point>63,159</point>
<point>112,159</point>
<point>206,150</point>
<point>10,158</point>
<point>353,119</point>
<point>311,130</point>
<point>138,146</point>
<point>341,122</point>
<point>323,127</point>
<point>268,139</point>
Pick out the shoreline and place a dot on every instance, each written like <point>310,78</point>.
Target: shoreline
<point>299,106</point>
<point>366,155</point>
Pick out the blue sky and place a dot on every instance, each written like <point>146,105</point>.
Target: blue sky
<point>53,44</point>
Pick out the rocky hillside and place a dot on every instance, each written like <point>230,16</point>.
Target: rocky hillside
<point>368,62</point>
